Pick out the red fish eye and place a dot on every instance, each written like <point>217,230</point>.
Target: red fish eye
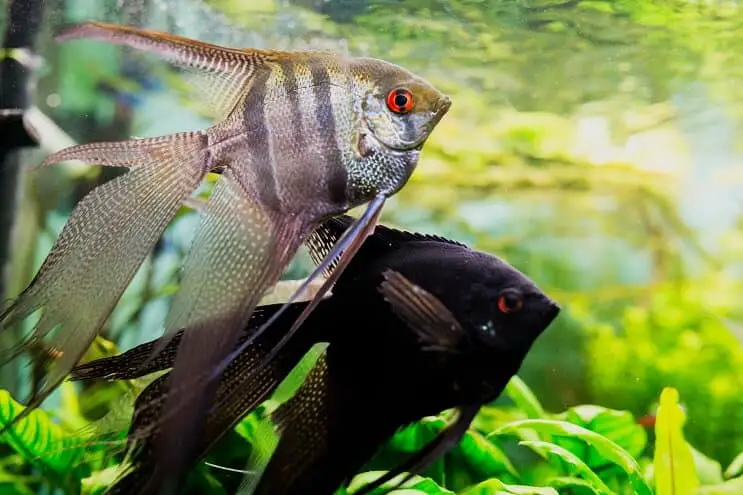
<point>510,301</point>
<point>400,100</point>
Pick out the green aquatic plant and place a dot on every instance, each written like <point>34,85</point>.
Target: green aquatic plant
<point>675,473</point>
<point>516,448</point>
<point>676,335</point>
<point>55,453</point>
<point>585,450</point>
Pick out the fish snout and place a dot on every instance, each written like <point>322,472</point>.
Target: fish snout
<point>442,106</point>
<point>553,309</point>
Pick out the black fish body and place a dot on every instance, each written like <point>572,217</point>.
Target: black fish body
<point>376,378</point>
<point>377,371</point>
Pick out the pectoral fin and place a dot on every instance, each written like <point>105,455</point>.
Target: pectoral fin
<point>423,313</point>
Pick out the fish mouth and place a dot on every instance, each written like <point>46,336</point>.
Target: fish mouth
<point>552,312</point>
<point>443,106</point>
<point>439,110</point>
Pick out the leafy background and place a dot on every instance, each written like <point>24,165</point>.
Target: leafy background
<point>593,144</point>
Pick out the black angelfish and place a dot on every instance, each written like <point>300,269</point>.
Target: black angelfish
<point>416,324</point>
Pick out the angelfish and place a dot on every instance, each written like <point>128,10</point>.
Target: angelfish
<point>300,137</point>
<point>416,324</point>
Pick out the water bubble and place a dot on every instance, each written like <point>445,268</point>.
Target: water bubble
<point>53,100</point>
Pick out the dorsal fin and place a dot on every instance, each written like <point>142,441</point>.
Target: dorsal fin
<point>383,238</point>
<point>218,74</point>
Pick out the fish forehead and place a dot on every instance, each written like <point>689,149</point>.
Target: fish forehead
<point>460,260</point>
<point>387,76</point>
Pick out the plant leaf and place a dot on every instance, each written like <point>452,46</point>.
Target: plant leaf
<point>525,400</point>
<point>735,467</point>
<point>98,482</point>
<point>730,487</point>
<point>257,428</point>
<point>578,467</point>
<point>618,426</point>
<point>605,447</point>
<point>483,456</point>
<point>574,484</point>
<point>496,487</point>
<point>674,469</point>
<point>709,471</point>
<point>414,436</point>
<point>417,485</point>
<point>39,441</point>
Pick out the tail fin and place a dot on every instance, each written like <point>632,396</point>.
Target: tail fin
<point>106,239</point>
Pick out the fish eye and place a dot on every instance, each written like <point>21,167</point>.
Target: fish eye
<point>400,100</point>
<point>510,301</point>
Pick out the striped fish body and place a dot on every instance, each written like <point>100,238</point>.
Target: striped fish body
<point>312,115</point>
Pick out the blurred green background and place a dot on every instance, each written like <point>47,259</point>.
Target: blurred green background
<point>595,145</point>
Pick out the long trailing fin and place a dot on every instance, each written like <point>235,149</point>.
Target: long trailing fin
<point>303,424</point>
<point>141,360</point>
<point>105,240</point>
<point>422,460</point>
<point>423,313</point>
<point>134,363</point>
<point>240,249</point>
<point>146,426</point>
<point>347,240</point>
<point>357,235</point>
<point>118,153</point>
<point>221,75</point>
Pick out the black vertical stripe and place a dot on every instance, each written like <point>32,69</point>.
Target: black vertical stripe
<point>292,92</point>
<point>257,131</point>
<point>337,173</point>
